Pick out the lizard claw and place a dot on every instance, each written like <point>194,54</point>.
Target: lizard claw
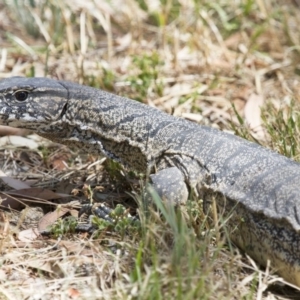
<point>99,210</point>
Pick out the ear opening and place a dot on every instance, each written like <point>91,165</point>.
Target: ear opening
<point>63,111</point>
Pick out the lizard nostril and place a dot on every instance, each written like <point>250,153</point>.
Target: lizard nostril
<point>21,95</point>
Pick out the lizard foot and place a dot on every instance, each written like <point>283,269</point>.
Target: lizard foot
<point>111,216</point>
<point>170,185</point>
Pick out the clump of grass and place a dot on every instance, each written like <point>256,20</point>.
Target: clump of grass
<point>34,16</point>
<point>122,223</point>
<point>63,226</point>
<point>242,129</point>
<point>170,245</point>
<point>105,81</point>
<point>146,81</point>
<point>167,12</point>
<point>283,127</point>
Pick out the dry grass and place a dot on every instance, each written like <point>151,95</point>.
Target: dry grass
<point>211,62</point>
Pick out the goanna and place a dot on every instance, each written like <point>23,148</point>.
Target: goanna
<point>260,187</point>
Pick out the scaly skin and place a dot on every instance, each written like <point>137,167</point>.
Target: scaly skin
<point>258,187</point>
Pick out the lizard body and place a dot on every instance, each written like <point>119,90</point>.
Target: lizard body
<point>258,186</point>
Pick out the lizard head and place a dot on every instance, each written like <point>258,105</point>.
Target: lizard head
<point>32,103</point>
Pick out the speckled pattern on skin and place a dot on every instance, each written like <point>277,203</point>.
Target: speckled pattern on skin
<point>259,188</point>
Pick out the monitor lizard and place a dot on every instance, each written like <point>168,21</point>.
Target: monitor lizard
<point>258,187</point>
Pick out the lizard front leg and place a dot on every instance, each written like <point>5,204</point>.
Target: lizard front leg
<point>170,185</point>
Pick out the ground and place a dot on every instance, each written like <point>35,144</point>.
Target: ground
<point>234,65</point>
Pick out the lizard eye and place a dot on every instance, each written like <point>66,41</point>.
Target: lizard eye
<point>21,95</point>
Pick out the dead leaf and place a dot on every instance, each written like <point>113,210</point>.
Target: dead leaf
<point>11,202</point>
<point>18,141</point>
<point>39,193</point>
<point>252,112</point>
<point>18,198</point>
<point>13,183</point>
<point>59,165</point>
<point>28,235</point>
<point>59,161</point>
<point>40,265</point>
<point>3,275</point>
<point>25,191</point>
<point>73,293</point>
<point>8,201</point>
<point>6,130</point>
<point>74,213</point>
<point>233,41</point>
<point>51,217</point>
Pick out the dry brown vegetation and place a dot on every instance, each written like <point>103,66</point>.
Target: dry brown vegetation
<point>215,63</point>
